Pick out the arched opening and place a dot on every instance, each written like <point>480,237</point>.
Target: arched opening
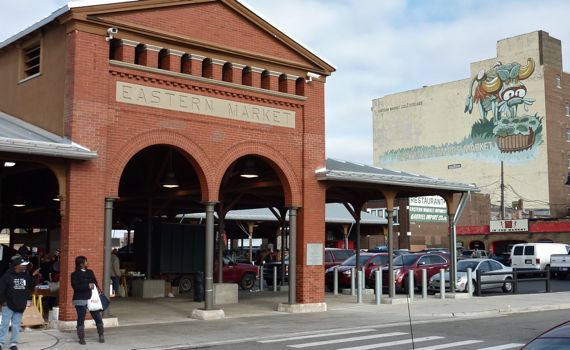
<point>139,51</point>
<point>162,56</point>
<point>300,87</point>
<point>158,186</point>
<point>283,83</point>
<point>477,245</point>
<point>246,77</point>
<point>185,64</point>
<point>207,68</point>
<point>30,221</point>
<point>114,46</point>
<point>252,193</point>
<point>265,84</point>
<point>227,72</point>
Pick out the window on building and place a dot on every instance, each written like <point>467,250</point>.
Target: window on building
<point>283,83</point>
<point>31,59</point>
<point>265,79</point>
<point>162,56</point>
<point>567,135</point>
<point>300,87</point>
<point>114,46</point>
<point>139,51</point>
<point>207,68</point>
<point>246,78</point>
<point>557,81</point>
<point>227,72</point>
<point>567,110</point>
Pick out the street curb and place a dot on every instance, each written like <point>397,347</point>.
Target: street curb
<point>501,311</point>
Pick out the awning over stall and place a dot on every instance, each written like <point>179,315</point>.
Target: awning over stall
<point>18,136</point>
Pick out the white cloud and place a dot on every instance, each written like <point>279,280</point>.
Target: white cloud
<point>379,47</point>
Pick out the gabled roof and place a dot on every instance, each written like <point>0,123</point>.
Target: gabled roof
<point>339,170</point>
<point>17,136</point>
<point>335,213</point>
<point>90,3</point>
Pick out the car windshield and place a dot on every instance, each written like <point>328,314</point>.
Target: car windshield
<point>549,344</point>
<point>341,255</point>
<point>462,266</point>
<point>352,260</point>
<point>405,260</point>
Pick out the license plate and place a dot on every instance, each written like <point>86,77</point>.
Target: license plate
<point>528,261</point>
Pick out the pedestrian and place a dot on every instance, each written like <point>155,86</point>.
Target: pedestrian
<point>115,271</point>
<point>16,286</point>
<point>83,281</point>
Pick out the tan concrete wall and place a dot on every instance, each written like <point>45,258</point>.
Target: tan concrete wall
<point>38,100</point>
<point>426,131</point>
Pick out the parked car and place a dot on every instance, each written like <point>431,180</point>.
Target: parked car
<point>484,265</point>
<point>535,256</point>
<point>560,265</point>
<point>333,257</point>
<point>242,274</point>
<point>472,254</point>
<point>556,338</point>
<point>413,263</point>
<point>369,261</point>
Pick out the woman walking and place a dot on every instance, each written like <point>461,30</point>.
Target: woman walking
<point>83,281</point>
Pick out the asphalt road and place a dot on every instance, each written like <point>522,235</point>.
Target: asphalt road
<point>496,333</point>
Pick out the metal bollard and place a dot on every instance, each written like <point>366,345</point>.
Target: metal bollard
<point>548,289</point>
<point>469,281</point>
<point>261,278</point>
<point>352,281</point>
<point>424,283</point>
<point>335,275</point>
<point>411,285</point>
<point>378,286</point>
<point>275,278</point>
<point>359,289</point>
<point>515,281</point>
<point>478,286</point>
<point>442,283</point>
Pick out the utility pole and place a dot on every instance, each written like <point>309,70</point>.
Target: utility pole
<point>502,192</point>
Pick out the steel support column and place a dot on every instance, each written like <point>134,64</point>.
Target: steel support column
<point>209,261</point>
<point>107,249</point>
<point>292,255</point>
<point>391,285</point>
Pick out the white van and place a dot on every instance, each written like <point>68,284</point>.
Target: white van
<point>535,256</point>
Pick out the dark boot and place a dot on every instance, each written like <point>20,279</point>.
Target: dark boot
<point>100,331</point>
<point>81,335</point>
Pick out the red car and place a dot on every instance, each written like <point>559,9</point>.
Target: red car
<point>335,256</point>
<point>414,263</point>
<point>370,262</point>
<point>242,274</point>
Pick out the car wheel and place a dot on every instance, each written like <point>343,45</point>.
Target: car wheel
<point>508,285</point>
<point>185,285</point>
<point>247,281</point>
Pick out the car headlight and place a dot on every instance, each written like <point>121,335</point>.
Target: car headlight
<point>346,273</point>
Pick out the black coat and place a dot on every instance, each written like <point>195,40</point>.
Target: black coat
<point>15,289</point>
<point>80,283</point>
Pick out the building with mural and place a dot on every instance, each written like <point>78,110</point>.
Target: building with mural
<point>512,109</point>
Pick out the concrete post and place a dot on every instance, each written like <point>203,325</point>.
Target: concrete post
<point>442,283</point>
<point>209,261</point>
<point>411,285</point>
<point>335,276</point>
<point>391,285</point>
<point>424,283</point>
<point>352,281</point>
<point>359,289</point>
<point>469,281</point>
<point>275,278</point>
<point>378,286</point>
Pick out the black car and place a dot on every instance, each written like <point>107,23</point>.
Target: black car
<point>557,338</point>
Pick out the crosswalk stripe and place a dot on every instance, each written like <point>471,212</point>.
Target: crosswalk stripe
<point>320,335</point>
<point>346,340</point>
<point>449,345</point>
<point>392,343</point>
<point>503,347</point>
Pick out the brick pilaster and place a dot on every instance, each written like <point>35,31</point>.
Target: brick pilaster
<point>125,52</point>
<point>149,57</point>
<point>256,76</point>
<point>217,66</point>
<point>196,64</point>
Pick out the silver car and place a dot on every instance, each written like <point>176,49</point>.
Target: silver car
<point>484,265</point>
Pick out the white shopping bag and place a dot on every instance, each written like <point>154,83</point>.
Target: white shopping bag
<point>94,303</point>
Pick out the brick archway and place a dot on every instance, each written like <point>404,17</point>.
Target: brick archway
<point>283,169</point>
<point>191,151</point>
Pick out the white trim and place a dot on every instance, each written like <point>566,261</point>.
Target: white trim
<point>85,3</point>
<point>238,65</point>
<point>176,53</point>
<point>274,74</point>
<point>153,48</point>
<point>131,43</point>
<point>218,61</point>
<point>257,70</point>
<point>197,57</point>
<point>292,77</point>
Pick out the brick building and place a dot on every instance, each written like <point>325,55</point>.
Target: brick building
<point>514,109</point>
<point>112,99</point>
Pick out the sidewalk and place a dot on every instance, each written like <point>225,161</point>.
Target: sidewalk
<point>165,323</point>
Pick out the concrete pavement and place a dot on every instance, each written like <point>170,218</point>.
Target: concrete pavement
<point>165,323</point>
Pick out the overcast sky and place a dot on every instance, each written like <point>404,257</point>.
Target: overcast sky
<point>379,47</point>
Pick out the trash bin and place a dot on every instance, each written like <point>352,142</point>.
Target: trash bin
<point>198,286</point>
